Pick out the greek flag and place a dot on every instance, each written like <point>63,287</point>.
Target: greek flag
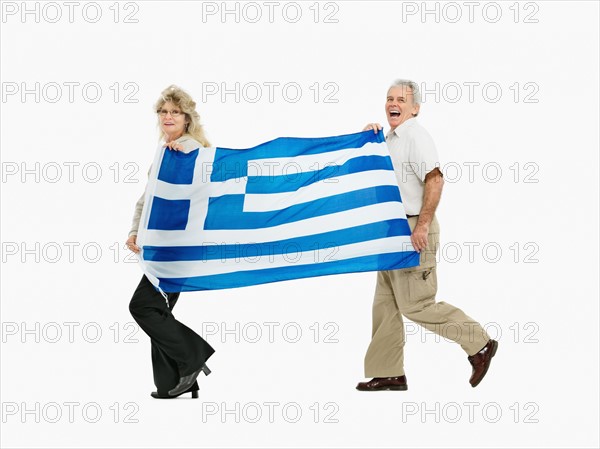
<point>290,208</point>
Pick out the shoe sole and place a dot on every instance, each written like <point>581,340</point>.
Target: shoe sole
<point>494,349</point>
<point>392,388</point>
<point>194,395</point>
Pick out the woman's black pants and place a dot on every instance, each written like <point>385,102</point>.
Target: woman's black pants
<point>177,350</point>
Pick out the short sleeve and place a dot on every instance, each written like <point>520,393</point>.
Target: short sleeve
<point>423,154</point>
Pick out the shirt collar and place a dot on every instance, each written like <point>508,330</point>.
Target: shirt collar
<point>403,127</point>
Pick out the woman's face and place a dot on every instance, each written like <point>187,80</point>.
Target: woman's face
<point>172,120</point>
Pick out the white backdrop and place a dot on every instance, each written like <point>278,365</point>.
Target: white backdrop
<point>511,99</point>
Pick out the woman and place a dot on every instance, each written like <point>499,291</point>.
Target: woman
<point>178,353</point>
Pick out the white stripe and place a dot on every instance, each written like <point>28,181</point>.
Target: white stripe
<point>290,166</point>
<point>211,267</point>
<point>315,225</point>
<point>322,189</point>
<point>214,189</point>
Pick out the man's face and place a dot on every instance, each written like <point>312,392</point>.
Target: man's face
<point>400,106</point>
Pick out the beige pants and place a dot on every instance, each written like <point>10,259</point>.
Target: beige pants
<point>411,292</point>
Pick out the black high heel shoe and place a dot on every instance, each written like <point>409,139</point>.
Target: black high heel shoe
<point>155,394</point>
<point>187,381</point>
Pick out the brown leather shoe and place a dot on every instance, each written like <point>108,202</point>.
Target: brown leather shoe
<point>481,362</point>
<point>384,383</point>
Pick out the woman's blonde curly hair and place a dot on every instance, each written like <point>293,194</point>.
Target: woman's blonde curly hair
<point>182,100</point>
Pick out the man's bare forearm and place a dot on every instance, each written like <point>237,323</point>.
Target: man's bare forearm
<point>434,182</point>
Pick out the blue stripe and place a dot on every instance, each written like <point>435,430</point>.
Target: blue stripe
<point>251,252</point>
<point>226,212</point>
<point>391,261</point>
<point>294,180</point>
<point>230,163</point>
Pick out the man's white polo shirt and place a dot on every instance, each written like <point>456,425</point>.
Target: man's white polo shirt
<point>413,156</point>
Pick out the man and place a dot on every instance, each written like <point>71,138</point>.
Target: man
<point>411,291</point>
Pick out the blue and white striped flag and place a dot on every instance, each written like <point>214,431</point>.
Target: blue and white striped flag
<point>290,208</point>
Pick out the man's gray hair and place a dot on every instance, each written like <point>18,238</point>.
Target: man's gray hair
<point>414,87</point>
